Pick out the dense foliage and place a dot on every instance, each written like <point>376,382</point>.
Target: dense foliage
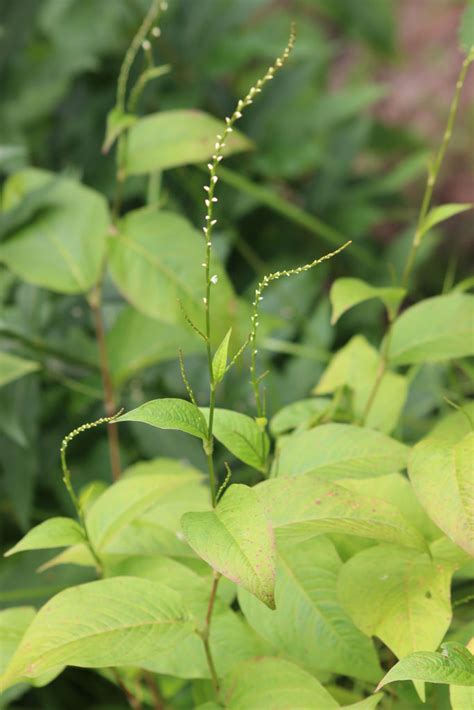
<point>293,527</point>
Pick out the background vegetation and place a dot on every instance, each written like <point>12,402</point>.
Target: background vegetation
<point>333,160</point>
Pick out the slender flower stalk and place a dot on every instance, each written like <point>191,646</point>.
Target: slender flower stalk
<point>68,483</point>
<point>252,339</point>
<point>210,222</point>
<point>210,280</point>
<point>432,177</point>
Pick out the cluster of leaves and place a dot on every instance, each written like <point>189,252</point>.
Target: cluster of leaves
<point>267,593</point>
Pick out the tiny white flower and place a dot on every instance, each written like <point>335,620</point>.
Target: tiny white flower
<point>156,32</point>
<point>146,45</point>
<point>214,279</point>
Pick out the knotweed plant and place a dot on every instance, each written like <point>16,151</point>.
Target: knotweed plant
<point>329,578</point>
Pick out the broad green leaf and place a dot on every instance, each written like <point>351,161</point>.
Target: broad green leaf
<point>462,697</point>
<point>355,366</point>
<point>136,341</point>
<point>466,28</point>
<point>155,261</point>
<point>400,595</point>
<point>369,703</point>
<point>340,451</point>
<point>241,435</point>
<point>13,624</point>
<point>169,413</point>
<point>237,540</point>
<point>113,622</point>
<point>307,505</point>
<point>171,138</point>
<point>55,532</point>
<point>219,361</point>
<point>299,415</point>
<point>13,367</point>
<point>454,665</point>
<point>395,489</point>
<point>436,329</point>
<point>442,476</point>
<point>63,248</point>
<point>274,684</point>
<point>151,490</point>
<point>454,426</point>
<point>231,639</point>
<point>305,589</point>
<point>347,292</point>
<point>440,214</point>
<point>117,123</point>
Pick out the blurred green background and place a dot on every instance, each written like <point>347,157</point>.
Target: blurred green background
<point>342,140</point>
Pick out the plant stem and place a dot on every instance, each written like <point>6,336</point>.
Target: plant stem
<point>132,700</point>
<point>434,169</point>
<point>95,302</point>
<point>158,703</point>
<point>433,173</point>
<point>206,632</point>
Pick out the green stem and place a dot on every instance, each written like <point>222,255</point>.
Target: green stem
<point>205,633</point>
<point>434,169</point>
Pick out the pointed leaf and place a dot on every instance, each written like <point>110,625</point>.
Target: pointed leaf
<point>306,589</point>
<point>132,497</point>
<point>63,248</point>
<point>347,292</point>
<point>274,684</point>
<point>440,214</point>
<point>13,367</point>
<point>13,624</point>
<point>442,476</point>
<point>155,261</point>
<point>307,505</point>
<point>113,622</point>
<point>454,665</point>
<point>436,329</point>
<point>169,413</point>
<point>219,361</point>
<point>237,540</point>
<point>55,532</point>
<point>340,451</point>
<point>400,595</point>
<point>136,341</point>
<point>355,366</point>
<point>299,415</point>
<point>179,137</point>
<point>241,435</point>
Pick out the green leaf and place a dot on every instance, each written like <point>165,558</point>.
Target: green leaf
<point>305,588</point>
<point>466,28</point>
<point>117,123</point>
<point>113,622</point>
<point>171,138</point>
<point>440,214</point>
<point>454,665</point>
<point>274,684</point>
<point>299,415</point>
<point>455,425</point>
<point>340,451</point>
<point>436,329</point>
<point>169,413</point>
<point>63,248</point>
<point>237,540</point>
<point>306,505</point>
<point>347,292</point>
<point>13,367</point>
<point>355,366</point>
<point>219,361</point>
<point>155,261</point>
<point>136,341</point>
<point>442,476</point>
<point>400,595</point>
<point>13,624</point>
<point>462,697</point>
<point>241,435</point>
<point>55,532</point>
<point>159,488</point>
<point>231,639</point>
